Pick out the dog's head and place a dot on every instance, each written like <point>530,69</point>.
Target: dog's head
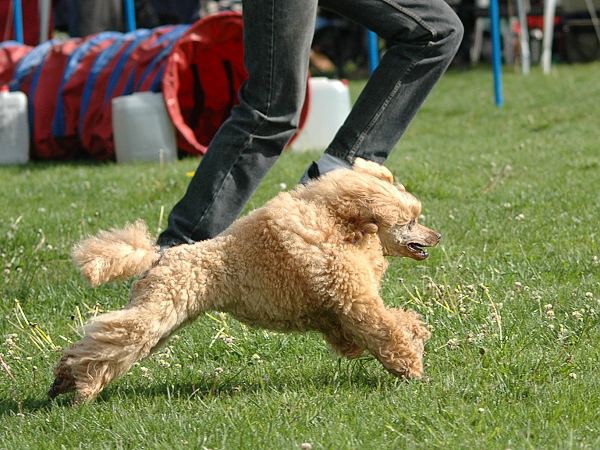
<point>367,199</point>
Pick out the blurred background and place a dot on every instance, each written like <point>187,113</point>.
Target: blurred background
<point>340,46</point>
<point>131,80</point>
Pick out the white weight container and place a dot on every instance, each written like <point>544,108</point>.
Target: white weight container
<point>14,128</point>
<point>328,108</point>
<point>142,128</point>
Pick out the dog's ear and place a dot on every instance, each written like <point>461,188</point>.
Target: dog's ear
<point>373,169</point>
<point>359,230</point>
<point>369,228</point>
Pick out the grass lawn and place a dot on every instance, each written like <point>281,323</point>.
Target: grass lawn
<point>512,296</point>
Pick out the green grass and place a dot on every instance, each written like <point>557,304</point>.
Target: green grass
<point>515,192</point>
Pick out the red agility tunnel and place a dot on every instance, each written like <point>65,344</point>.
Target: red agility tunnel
<point>70,84</point>
<point>202,78</point>
<point>10,54</point>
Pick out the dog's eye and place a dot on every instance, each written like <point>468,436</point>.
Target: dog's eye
<point>411,224</point>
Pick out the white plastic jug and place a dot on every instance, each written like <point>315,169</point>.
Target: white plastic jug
<point>142,128</point>
<point>328,108</point>
<point>14,128</point>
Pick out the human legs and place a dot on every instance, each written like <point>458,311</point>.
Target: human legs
<point>423,37</point>
<point>277,39</point>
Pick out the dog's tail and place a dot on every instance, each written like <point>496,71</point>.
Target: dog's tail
<point>116,254</point>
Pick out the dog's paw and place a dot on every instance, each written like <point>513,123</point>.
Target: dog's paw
<point>404,366</point>
<point>63,383</point>
<point>418,334</point>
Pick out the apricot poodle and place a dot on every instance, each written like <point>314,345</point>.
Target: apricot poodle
<point>309,259</point>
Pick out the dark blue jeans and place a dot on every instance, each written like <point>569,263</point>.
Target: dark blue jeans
<point>422,38</point>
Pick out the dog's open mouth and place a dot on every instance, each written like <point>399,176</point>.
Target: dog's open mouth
<point>417,251</point>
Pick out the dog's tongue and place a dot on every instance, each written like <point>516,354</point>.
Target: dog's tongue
<point>418,250</point>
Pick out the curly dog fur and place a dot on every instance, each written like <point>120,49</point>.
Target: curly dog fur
<point>309,259</point>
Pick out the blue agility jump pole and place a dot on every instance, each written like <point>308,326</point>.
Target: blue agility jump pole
<point>496,51</point>
<point>130,15</point>
<point>18,21</point>
<point>373,51</point>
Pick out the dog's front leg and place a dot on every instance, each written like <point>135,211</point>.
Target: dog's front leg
<point>378,329</point>
<point>411,321</point>
<point>343,343</point>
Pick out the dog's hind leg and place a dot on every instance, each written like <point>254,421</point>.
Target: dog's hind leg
<point>113,342</point>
